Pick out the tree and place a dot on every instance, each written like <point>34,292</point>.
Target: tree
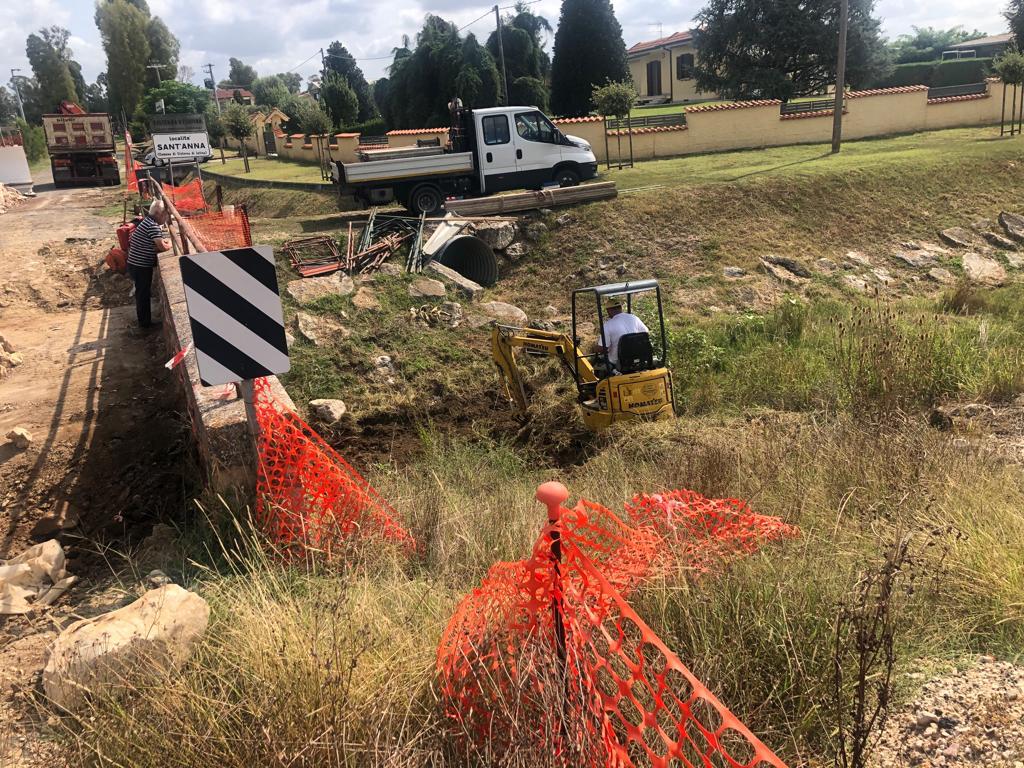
<point>240,74</point>
<point>588,51</point>
<point>307,117</point>
<point>615,99</point>
<point>928,43</point>
<point>380,97</point>
<point>341,62</point>
<point>422,81</point>
<point>781,49</point>
<point>163,50</point>
<point>95,96</point>
<point>339,100</point>
<point>1009,67</point>
<point>238,126</point>
<point>8,105</point>
<point>526,61</point>
<point>269,91</point>
<point>178,98</point>
<point>123,31</point>
<point>1015,17</point>
<point>185,73</point>
<point>46,53</point>
<point>291,80</point>
<point>31,98</point>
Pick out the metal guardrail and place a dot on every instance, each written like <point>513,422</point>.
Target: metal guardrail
<point>946,91</point>
<point>677,118</point>
<point>800,107</point>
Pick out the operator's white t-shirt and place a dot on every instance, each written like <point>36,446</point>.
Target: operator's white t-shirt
<point>617,327</point>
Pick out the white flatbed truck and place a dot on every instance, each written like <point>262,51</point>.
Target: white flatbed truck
<point>490,150</point>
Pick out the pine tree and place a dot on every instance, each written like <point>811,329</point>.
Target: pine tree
<point>1015,16</point>
<point>340,61</point>
<point>46,53</point>
<point>588,51</point>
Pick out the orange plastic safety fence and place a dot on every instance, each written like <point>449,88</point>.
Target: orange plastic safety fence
<point>547,654</point>
<point>307,496</point>
<point>221,230</point>
<point>131,165</point>
<point>187,198</point>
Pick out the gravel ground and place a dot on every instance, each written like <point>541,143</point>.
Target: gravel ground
<point>974,717</point>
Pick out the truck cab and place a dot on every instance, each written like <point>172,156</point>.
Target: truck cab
<point>489,150</point>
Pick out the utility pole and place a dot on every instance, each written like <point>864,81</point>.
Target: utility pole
<point>17,92</point>
<point>213,85</point>
<point>501,53</point>
<point>837,109</point>
<point>157,67</point>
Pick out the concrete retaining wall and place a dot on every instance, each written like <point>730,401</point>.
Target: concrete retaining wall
<point>14,168</point>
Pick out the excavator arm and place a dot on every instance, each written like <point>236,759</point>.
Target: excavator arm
<point>505,339</point>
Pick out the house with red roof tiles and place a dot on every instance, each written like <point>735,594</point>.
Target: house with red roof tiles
<point>226,95</point>
<point>663,69</point>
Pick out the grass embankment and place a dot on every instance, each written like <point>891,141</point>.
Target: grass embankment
<point>814,407</point>
<point>264,169</point>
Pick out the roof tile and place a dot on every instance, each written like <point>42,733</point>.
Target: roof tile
<point>587,119</point>
<point>815,113</point>
<point>733,105</point>
<point>886,91</point>
<point>412,131</point>
<point>967,97</point>
<point>648,129</point>
<point>675,38</point>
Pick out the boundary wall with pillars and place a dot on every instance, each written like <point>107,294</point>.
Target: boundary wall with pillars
<point>724,127</point>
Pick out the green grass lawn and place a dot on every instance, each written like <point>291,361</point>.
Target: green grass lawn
<point>936,149</point>
<point>267,170</point>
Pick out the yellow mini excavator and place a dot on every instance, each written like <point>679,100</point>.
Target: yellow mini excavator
<point>638,387</point>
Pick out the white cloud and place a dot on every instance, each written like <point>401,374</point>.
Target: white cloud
<point>276,37</point>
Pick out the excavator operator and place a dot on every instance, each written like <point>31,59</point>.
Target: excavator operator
<point>617,325</point>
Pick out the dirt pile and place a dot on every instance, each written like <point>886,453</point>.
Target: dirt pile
<point>974,717</point>
<point>9,197</point>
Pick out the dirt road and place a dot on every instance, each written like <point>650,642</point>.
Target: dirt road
<point>108,440</point>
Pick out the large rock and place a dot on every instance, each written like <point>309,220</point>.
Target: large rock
<point>535,231</point>
<point>465,286</point>
<point>1000,241</point>
<point>787,263</point>
<point>156,633</point>
<point>500,312</point>
<point>941,275</point>
<point>329,411</point>
<point>516,251</point>
<point>21,438</point>
<point>782,274</point>
<point>498,234</point>
<point>309,289</point>
<point>857,259</point>
<point>918,259</point>
<point>983,270</point>
<point>427,287</point>
<point>320,330</point>
<point>958,237</point>
<point>1013,223</point>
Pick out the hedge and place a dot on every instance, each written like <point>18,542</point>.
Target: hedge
<point>935,74</point>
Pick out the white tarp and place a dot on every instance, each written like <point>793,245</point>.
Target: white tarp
<point>27,579</point>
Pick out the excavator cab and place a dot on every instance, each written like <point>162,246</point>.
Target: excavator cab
<point>635,385</point>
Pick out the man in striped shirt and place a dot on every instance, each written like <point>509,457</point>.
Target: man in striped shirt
<point>148,239</point>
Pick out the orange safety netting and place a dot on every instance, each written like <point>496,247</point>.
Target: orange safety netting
<point>223,229</point>
<point>547,654</point>
<point>131,165</point>
<point>307,496</point>
<point>188,198</point>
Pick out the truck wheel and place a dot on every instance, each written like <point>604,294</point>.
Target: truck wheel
<point>427,199</point>
<point>567,177</point>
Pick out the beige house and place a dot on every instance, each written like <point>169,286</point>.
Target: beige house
<point>663,69</point>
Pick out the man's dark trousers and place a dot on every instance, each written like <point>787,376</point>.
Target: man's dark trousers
<point>143,279</point>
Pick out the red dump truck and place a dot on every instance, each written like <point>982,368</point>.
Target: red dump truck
<point>81,146</point>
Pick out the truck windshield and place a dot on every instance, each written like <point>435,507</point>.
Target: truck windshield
<point>533,126</point>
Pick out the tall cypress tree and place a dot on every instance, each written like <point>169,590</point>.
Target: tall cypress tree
<point>342,62</point>
<point>588,51</point>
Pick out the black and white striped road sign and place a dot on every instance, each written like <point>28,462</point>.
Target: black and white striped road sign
<point>234,308</point>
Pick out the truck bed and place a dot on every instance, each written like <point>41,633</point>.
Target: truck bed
<point>90,132</point>
<point>372,171</point>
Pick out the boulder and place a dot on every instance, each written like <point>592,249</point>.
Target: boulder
<point>883,276</point>
<point>940,275</point>
<point>535,231</point>
<point>389,269</point>
<point>6,345</point>
<point>917,259</point>
<point>1000,241</point>
<point>854,283</point>
<point>1013,223</point>
<point>365,299</point>
<point>516,251</point>
<point>471,290</point>
<point>320,330</point>
<point>792,265</point>
<point>958,237</point>
<point>826,265</point>
<point>982,270</point>
<point>326,410</point>
<point>733,271</point>
<point>156,633</point>
<point>497,234</point>
<point>981,225</point>
<point>310,289</point>
<point>500,312</point>
<point>858,258</point>
<point>21,438</point>
<point>427,287</point>
<point>782,274</point>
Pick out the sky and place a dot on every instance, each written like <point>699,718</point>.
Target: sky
<point>276,37</point>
